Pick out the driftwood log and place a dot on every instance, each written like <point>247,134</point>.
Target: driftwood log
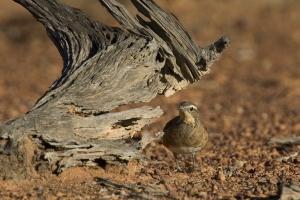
<point>104,67</point>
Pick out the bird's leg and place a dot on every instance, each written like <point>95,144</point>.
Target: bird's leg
<point>194,159</point>
<point>177,165</point>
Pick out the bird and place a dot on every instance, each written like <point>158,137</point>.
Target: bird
<point>185,134</point>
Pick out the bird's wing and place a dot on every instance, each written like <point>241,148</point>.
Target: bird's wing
<point>204,126</point>
<point>172,121</point>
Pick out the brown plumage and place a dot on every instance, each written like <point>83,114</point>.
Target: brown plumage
<point>185,134</point>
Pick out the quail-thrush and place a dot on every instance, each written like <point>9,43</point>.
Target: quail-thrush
<point>185,134</point>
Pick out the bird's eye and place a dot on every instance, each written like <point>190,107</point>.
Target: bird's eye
<point>191,108</point>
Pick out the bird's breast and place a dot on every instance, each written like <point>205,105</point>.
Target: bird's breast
<point>184,138</point>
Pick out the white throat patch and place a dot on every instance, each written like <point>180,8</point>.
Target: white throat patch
<point>187,117</point>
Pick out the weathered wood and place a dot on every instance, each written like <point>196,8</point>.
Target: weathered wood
<point>137,191</point>
<point>104,67</point>
<point>287,141</point>
<point>289,190</point>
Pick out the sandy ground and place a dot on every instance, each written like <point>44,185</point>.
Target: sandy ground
<point>251,96</point>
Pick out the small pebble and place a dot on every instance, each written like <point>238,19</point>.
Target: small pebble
<point>123,193</point>
<point>221,177</point>
<point>282,127</point>
<point>152,144</point>
<point>265,153</point>
<point>103,190</point>
<point>192,192</point>
<point>60,194</point>
<point>217,106</point>
<point>113,196</point>
<point>94,183</point>
<point>185,198</point>
<point>202,194</point>
<point>259,191</point>
<point>248,167</point>
<point>273,180</point>
<point>240,110</point>
<point>215,187</point>
<point>239,164</point>
<point>39,188</point>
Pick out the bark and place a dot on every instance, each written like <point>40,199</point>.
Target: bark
<point>72,124</point>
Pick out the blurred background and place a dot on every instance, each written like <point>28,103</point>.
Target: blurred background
<point>254,89</point>
<point>251,95</point>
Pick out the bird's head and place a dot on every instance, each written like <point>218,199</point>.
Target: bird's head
<point>188,112</point>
